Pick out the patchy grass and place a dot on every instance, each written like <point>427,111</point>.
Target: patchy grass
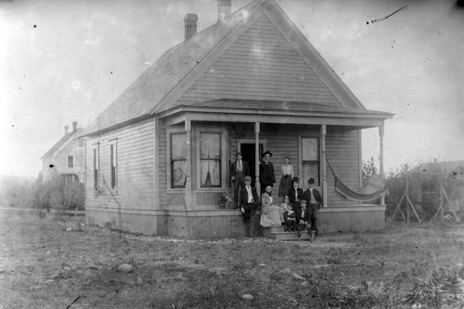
<point>45,266</point>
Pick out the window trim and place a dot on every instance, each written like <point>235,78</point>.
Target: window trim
<point>113,149</point>
<point>71,161</point>
<point>96,167</point>
<point>221,154</point>
<point>169,132</point>
<point>224,157</point>
<point>301,136</point>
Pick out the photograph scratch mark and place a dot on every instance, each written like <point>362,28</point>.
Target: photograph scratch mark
<point>382,19</point>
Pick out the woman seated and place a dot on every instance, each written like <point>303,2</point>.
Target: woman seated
<point>271,215</point>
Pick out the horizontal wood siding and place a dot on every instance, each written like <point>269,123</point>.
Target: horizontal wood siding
<point>260,65</point>
<point>135,169</point>
<point>343,154</point>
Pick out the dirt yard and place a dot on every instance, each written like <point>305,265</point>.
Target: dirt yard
<point>43,265</point>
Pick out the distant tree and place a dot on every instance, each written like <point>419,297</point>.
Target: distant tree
<point>369,169</point>
<point>17,192</point>
<point>58,195</point>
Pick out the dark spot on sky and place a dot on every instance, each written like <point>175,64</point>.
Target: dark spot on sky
<point>111,72</point>
<point>198,62</point>
<point>35,26</point>
<point>460,3</point>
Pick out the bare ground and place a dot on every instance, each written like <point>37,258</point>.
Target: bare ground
<point>43,265</point>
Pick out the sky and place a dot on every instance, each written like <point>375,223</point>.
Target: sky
<point>63,61</point>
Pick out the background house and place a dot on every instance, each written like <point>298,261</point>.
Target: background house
<point>157,158</point>
<point>66,157</point>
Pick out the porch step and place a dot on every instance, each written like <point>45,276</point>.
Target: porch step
<point>268,231</point>
<point>290,235</point>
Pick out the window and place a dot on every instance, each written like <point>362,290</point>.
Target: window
<point>210,160</point>
<point>113,165</point>
<point>310,159</point>
<point>96,166</point>
<point>178,160</point>
<point>70,161</point>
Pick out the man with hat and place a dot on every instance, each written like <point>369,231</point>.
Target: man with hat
<point>250,206</point>
<point>266,171</point>
<point>238,170</point>
<point>314,199</point>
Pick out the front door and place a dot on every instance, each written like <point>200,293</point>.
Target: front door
<point>248,152</point>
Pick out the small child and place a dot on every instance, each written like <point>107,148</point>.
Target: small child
<point>291,221</point>
<point>289,215</point>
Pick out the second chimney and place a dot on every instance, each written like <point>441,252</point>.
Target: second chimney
<point>224,8</point>
<point>190,21</point>
<point>74,126</point>
<point>66,129</point>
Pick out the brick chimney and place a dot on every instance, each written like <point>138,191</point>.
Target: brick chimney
<point>74,126</point>
<point>224,8</point>
<point>66,129</point>
<point>190,21</point>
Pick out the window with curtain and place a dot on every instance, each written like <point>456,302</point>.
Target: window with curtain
<point>310,159</point>
<point>178,160</point>
<point>210,160</point>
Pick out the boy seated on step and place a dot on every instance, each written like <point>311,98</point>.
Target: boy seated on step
<point>302,218</point>
<point>289,215</point>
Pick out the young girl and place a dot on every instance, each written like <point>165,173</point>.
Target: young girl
<point>289,215</point>
<point>286,180</point>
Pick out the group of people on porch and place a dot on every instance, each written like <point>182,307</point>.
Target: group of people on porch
<point>296,210</point>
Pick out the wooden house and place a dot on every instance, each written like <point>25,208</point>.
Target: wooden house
<point>66,157</point>
<point>158,157</point>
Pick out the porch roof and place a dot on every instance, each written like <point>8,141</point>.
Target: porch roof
<point>230,110</point>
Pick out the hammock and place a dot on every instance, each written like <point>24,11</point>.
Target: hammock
<point>373,189</point>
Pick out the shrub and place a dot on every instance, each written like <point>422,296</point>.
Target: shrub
<point>58,195</point>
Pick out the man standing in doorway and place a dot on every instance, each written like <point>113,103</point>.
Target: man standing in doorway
<point>266,171</point>
<point>314,199</point>
<point>238,170</point>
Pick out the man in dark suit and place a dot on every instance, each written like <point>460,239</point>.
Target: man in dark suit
<point>238,170</point>
<point>266,171</point>
<point>314,199</point>
<point>295,194</point>
<point>250,206</point>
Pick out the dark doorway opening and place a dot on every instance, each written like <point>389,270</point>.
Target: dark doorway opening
<point>248,152</point>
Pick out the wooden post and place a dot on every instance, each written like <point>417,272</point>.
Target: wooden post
<point>382,174</point>
<point>257,159</point>
<point>407,204</point>
<point>324,165</point>
<point>188,167</point>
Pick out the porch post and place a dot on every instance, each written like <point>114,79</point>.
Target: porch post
<point>188,166</point>
<point>257,159</point>
<point>382,174</point>
<point>324,165</point>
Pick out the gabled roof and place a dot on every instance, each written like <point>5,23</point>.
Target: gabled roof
<point>158,88</point>
<point>147,91</point>
<point>61,143</point>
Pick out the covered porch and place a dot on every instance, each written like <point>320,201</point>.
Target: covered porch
<point>307,133</point>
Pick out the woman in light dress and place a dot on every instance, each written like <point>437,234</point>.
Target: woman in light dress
<point>271,215</point>
<point>286,180</point>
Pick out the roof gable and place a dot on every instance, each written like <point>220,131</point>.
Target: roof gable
<point>161,86</point>
<point>65,140</point>
<point>260,65</point>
